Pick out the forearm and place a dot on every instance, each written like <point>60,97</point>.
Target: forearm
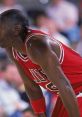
<point>66,92</point>
<point>69,100</point>
<point>32,89</point>
<point>36,98</point>
<point>35,95</point>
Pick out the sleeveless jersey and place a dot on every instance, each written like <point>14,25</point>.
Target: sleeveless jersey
<point>70,61</point>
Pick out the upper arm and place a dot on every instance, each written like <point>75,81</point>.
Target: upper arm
<point>39,49</point>
<point>40,52</point>
<point>29,84</point>
<point>31,87</point>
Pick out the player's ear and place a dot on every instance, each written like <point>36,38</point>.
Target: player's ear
<point>17,29</point>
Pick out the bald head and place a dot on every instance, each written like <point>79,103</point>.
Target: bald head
<point>12,23</point>
<point>14,15</point>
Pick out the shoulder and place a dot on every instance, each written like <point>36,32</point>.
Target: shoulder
<point>40,42</point>
<point>41,46</point>
<point>38,46</point>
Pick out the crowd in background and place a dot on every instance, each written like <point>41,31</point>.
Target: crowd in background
<point>62,19</point>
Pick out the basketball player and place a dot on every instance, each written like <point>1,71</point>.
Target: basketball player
<point>43,61</point>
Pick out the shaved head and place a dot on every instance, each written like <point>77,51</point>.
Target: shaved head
<point>13,23</point>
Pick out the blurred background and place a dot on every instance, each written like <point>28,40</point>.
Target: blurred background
<point>60,18</point>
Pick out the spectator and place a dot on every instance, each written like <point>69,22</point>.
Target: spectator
<point>2,112</point>
<point>80,12</point>
<point>79,45</point>
<point>65,14</point>
<point>9,4</point>
<point>74,1</point>
<point>10,100</point>
<point>45,23</point>
<point>13,78</point>
<point>28,113</point>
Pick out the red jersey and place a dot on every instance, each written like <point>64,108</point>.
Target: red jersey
<point>70,62</point>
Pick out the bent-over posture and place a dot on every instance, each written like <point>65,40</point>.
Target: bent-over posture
<point>43,61</point>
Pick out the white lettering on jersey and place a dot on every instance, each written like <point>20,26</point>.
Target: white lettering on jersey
<point>38,75</point>
<point>50,86</point>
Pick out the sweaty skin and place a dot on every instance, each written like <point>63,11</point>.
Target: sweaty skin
<point>41,50</point>
<point>39,47</point>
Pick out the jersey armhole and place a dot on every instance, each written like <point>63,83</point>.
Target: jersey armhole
<point>61,57</point>
<point>14,53</point>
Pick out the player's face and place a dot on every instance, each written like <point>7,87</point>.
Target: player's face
<point>6,42</point>
<point>4,38</point>
<point>9,40</point>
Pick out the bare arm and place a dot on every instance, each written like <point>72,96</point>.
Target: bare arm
<point>32,89</point>
<point>40,52</point>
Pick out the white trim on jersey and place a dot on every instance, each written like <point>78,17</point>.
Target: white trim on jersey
<point>53,87</point>
<point>61,58</point>
<point>25,59</point>
<point>14,51</point>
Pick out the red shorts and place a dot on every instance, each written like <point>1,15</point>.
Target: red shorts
<point>60,111</point>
